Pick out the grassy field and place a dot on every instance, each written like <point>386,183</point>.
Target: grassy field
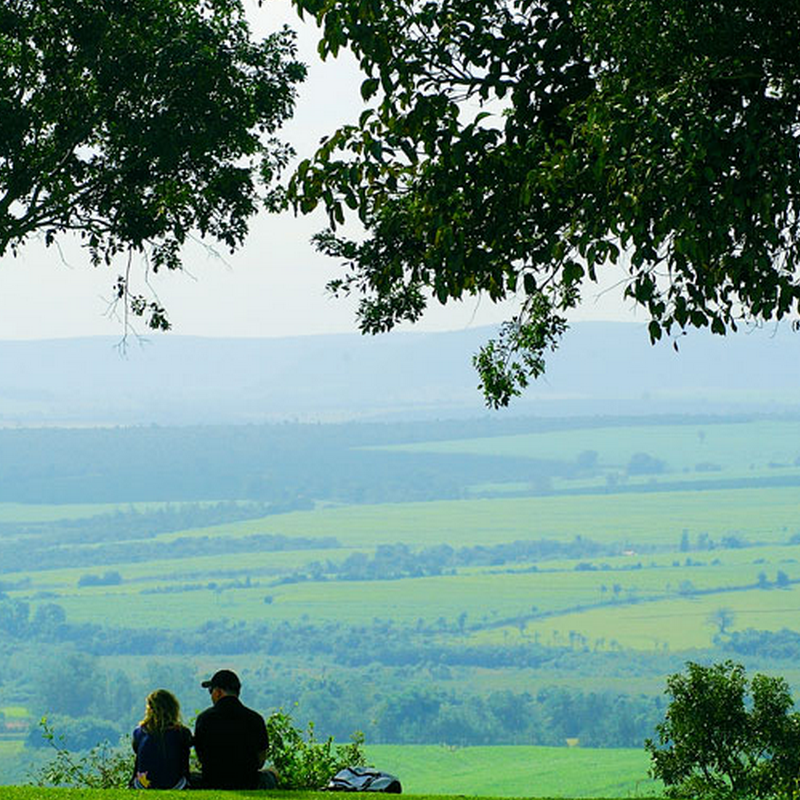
<point>496,771</point>
<point>517,771</point>
<point>647,599</point>
<point>14,712</point>
<point>30,793</point>
<point>768,515</point>
<point>658,596</point>
<point>644,602</point>
<point>733,446</point>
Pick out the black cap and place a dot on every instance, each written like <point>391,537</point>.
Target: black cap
<point>224,679</point>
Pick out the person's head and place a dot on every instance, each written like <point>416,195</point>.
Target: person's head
<point>222,683</point>
<point>161,711</point>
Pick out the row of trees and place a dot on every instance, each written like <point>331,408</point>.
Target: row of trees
<point>416,710</point>
<point>396,561</point>
<point>278,468</point>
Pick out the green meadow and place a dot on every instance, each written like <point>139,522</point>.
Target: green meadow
<point>648,598</point>
<point>30,793</point>
<point>733,446</point>
<point>513,771</point>
<point>518,771</point>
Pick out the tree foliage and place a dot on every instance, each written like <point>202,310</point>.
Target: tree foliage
<point>725,736</point>
<point>661,135</point>
<point>137,123</point>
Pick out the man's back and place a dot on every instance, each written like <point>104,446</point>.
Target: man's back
<point>230,740</point>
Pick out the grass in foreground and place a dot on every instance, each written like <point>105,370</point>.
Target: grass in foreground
<point>517,771</point>
<point>35,793</point>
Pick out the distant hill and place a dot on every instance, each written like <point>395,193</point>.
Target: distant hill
<point>601,368</point>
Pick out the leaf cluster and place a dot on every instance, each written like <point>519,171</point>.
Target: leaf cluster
<point>136,124</point>
<point>515,148</point>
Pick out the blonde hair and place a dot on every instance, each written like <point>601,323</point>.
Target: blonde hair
<point>162,711</point>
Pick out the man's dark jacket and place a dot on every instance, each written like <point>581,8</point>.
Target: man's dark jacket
<point>228,738</point>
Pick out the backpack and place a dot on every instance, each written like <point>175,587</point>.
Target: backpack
<point>363,779</point>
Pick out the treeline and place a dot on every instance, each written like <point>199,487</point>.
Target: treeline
<point>782,644</point>
<point>264,463</point>
<point>420,706</point>
<point>396,561</point>
<point>380,642</point>
<point>52,556</point>
<point>416,712</point>
<point>135,523</point>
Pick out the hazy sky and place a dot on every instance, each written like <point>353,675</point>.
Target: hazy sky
<point>274,286</point>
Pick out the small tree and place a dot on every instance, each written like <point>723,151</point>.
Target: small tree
<point>722,619</point>
<point>718,742</point>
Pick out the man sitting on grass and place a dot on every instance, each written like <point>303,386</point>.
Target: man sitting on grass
<point>230,739</point>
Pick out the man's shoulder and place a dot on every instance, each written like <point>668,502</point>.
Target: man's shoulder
<point>255,715</point>
<point>248,712</point>
<point>234,704</point>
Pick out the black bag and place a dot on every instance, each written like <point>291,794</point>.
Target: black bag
<point>363,779</point>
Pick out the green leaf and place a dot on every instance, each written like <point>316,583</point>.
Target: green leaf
<point>369,87</point>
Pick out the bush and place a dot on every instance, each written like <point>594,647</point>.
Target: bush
<point>103,767</point>
<point>304,763</point>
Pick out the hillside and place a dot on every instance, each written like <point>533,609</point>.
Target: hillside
<point>601,368</point>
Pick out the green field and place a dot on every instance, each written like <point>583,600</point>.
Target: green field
<point>498,771</point>
<point>20,793</point>
<point>657,601</point>
<point>666,620</point>
<point>14,712</point>
<point>734,446</point>
<point>517,771</point>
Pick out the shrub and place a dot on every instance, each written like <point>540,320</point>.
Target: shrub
<point>304,763</point>
<point>102,767</point>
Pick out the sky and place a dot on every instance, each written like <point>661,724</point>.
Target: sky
<point>273,286</point>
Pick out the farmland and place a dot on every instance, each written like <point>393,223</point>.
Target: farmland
<point>570,593</point>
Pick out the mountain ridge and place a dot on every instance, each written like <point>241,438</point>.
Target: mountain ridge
<point>600,368</point>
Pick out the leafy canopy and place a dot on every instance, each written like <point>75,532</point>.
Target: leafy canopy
<point>137,123</point>
<point>725,736</point>
<point>661,134</point>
